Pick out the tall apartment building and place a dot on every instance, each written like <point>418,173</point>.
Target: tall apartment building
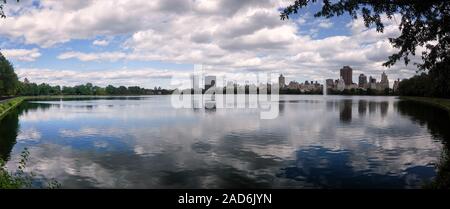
<point>347,75</point>
<point>362,81</point>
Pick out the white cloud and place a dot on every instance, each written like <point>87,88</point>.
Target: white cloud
<point>30,134</point>
<point>26,55</point>
<point>100,43</point>
<point>228,34</point>
<point>325,24</point>
<point>126,77</point>
<point>110,56</point>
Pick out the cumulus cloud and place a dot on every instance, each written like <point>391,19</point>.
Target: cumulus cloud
<point>26,55</point>
<point>110,56</point>
<point>325,24</point>
<point>116,77</point>
<point>100,43</point>
<point>30,134</point>
<point>240,36</point>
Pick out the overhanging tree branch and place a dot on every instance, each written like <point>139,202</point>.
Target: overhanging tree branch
<point>423,24</point>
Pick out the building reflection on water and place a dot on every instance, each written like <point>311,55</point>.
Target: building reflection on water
<point>314,143</point>
<point>345,108</point>
<point>321,167</point>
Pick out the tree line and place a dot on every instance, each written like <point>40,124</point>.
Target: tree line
<point>33,89</point>
<point>424,85</point>
<point>11,86</point>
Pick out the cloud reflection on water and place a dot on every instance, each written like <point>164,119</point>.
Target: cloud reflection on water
<point>316,142</point>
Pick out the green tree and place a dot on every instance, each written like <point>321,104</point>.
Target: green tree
<point>122,90</point>
<point>67,90</point>
<point>96,90</point>
<point>9,83</point>
<point>423,24</point>
<point>111,90</point>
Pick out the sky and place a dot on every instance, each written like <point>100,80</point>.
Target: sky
<point>151,43</point>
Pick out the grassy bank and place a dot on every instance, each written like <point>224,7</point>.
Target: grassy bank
<point>7,105</point>
<point>442,103</point>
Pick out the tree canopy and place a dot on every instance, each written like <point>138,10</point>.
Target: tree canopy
<point>423,24</point>
<point>8,78</point>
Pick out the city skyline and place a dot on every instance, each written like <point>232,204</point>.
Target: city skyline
<point>234,41</point>
<point>362,81</point>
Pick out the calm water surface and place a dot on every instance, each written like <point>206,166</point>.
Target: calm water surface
<point>142,142</point>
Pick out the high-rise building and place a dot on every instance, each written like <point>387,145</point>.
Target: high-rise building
<point>329,83</point>
<point>384,83</point>
<point>210,81</point>
<point>362,81</point>
<point>372,82</point>
<point>347,75</point>
<point>282,81</point>
<point>396,85</point>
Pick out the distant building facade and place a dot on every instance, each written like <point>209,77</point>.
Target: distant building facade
<point>345,81</point>
<point>282,81</point>
<point>384,83</point>
<point>347,75</point>
<point>329,83</point>
<point>362,81</point>
<point>372,83</point>
<point>396,85</point>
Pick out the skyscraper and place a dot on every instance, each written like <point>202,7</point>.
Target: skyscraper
<point>384,83</point>
<point>396,85</point>
<point>362,81</point>
<point>347,74</point>
<point>372,83</point>
<point>282,81</point>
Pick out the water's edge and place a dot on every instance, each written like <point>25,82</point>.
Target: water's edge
<point>437,102</point>
<point>10,104</point>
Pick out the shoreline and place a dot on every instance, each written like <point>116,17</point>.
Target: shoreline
<point>437,102</point>
<point>9,104</point>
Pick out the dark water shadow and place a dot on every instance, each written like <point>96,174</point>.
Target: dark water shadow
<point>10,127</point>
<point>437,122</point>
<point>324,168</point>
<point>320,167</point>
<point>345,108</point>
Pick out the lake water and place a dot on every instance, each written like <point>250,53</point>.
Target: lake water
<point>143,142</point>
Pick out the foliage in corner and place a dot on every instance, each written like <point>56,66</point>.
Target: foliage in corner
<point>19,179</point>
